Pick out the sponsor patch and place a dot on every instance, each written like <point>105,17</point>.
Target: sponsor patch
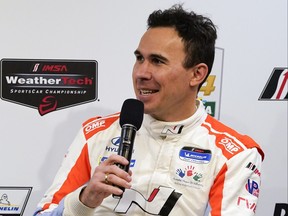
<point>245,203</point>
<point>175,129</point>
<point>253,167</point>
<point>160,202</point>
<point>116,141</point>
<point>188,176</point>
<point>132,162</point>
<point>252,187</point>
<point>195,155</point>
<point>229,146</point>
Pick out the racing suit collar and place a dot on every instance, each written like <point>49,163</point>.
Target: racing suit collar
<point>174,129</point>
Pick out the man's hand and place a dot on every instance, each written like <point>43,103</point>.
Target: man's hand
<point>105,176</point>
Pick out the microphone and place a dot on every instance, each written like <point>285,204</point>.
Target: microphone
<point>131,118</point>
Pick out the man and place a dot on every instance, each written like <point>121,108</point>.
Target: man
<point>185,161</point>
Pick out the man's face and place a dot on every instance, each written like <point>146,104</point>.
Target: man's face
<point>159,78</point>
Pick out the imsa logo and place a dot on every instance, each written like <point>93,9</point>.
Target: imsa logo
<point>48,85</point>
<point>276,87</point>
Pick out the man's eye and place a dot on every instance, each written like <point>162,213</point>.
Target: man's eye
<point>139,58</point>
<point>157,61</point>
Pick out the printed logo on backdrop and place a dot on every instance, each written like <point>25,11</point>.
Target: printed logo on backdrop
<point>48,85</point>
<point>281,209</point>
<point>210,92</point>
<point>276,87</point>
<point>13,200</point>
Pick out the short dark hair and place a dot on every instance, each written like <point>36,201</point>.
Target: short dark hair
<point>197,32</point>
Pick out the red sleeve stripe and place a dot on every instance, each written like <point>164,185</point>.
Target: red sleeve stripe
<point>216,192</point>
<point>78,176</point>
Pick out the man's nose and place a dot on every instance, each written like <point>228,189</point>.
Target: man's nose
<point>143,71</point>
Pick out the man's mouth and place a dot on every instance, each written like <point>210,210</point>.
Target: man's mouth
<point>147,92</point>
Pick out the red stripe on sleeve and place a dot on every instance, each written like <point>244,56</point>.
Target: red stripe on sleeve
<point>216,192</point>
<point>78,176</point>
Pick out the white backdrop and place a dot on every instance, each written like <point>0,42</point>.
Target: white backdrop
<point>253,35</point>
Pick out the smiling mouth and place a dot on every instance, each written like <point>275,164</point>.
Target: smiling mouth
<point>147,92</point>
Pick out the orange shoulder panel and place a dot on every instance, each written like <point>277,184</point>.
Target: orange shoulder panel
<point>226,138</point>
<point>96,124</point>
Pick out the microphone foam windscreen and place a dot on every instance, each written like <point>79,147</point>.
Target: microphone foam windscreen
<point>132,113</point>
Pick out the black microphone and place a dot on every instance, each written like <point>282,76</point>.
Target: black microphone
<point>131,118</point>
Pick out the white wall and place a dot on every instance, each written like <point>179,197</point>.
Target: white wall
<point>253,35</point>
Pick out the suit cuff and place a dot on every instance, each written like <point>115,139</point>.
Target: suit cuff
<point>74,207</point>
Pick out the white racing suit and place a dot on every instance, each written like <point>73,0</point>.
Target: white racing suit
<point>193,167</point>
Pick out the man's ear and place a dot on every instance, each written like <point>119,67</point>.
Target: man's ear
<point>199,73</point>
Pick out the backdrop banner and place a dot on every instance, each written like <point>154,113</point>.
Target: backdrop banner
<point>63,62</point>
